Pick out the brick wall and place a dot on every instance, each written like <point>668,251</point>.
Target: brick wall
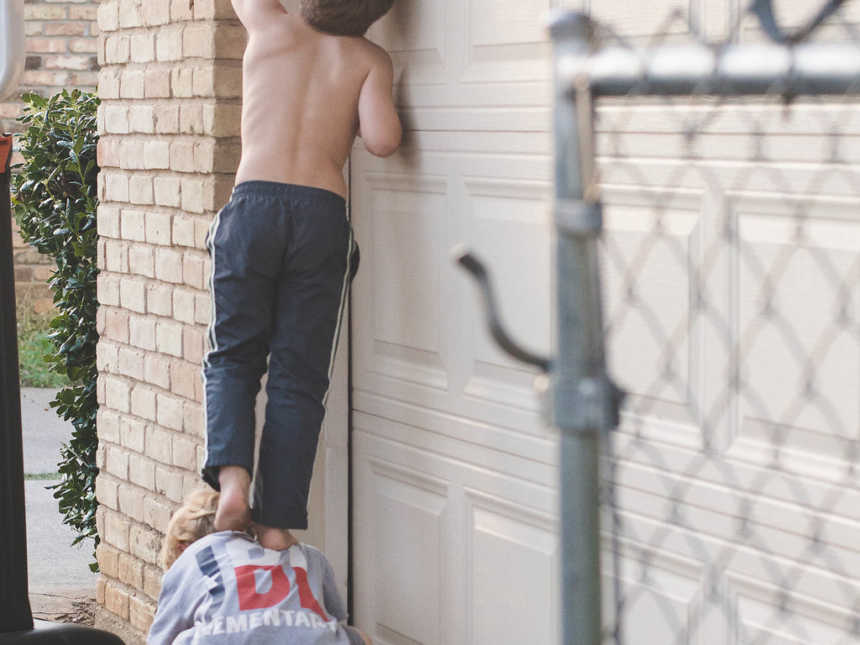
<point>170,83</point>
<point>61,52</point>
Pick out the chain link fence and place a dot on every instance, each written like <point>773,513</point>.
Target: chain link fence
<point>730,264</point>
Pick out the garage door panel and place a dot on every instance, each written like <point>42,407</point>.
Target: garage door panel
<point>475,539</point>
<point>512,567</point>
<point>409,524</point>
<point>419,331</point>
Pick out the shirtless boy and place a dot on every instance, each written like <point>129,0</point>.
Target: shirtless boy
<point>282,249</point>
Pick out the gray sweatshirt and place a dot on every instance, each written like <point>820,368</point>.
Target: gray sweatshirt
<point>226,588</point>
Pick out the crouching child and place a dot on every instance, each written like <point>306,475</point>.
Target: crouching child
<point>223,587</point>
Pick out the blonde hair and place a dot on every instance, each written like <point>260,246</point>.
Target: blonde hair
<point>191,521</point>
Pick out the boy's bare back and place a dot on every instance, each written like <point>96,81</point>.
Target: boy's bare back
<point>305,96</point>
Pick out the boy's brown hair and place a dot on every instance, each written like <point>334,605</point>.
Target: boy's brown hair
<point>344,17</point>
<point>194,519</point>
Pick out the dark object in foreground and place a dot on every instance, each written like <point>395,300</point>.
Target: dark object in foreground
<point>16,619</point>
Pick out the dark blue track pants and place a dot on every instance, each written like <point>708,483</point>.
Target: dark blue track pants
<point>282,258</point>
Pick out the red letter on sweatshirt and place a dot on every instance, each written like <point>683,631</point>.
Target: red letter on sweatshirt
<point>306,596</point>
<point>246,583</point>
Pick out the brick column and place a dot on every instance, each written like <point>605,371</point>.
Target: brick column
<point>170,83</point>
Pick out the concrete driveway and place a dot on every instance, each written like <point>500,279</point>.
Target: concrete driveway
<point>58,573</point>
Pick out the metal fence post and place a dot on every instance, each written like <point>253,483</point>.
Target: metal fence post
<point>584,400</point>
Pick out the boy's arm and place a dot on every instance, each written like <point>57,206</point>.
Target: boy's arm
<point>379,125</point>
<point>332,601</point>
<point>257,13</point>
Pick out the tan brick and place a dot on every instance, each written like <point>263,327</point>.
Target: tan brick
<point>168,265</point>
<point>185,453</point>
<point>108,559</point>
<point>131,154</point>
<point>168,483</point>
<point>108,16</point>
<point>193,422</point>
<point>222,120</point>
<point>169,411</point>
<point>194,269</point>
<point>116,256</point>
<point>191,118</point>
<point>65,29</point>
<point>116,600</point>
<point>106,356</point>
<point>130,14</point>
<point>193,195</point>
<point>201,232</point>
<point>131,84</point>
<point>45,45</point>
<point>132,434</point>
<point>182,155</point>
<point>168,43</point>
<point>108,221</point>
<point>84,46</point>
<point>184,378</point>
<point>157,370</point>
<point>183,305</point>
<point>193,344</point>
<point>142,332</point>
<point>156,83</point>
<point>107,287</point>
<point>143,47</point>
<point>130,363</point>
<point>145,543</point>
<point>202,308</point>
<point>117,393</point>
<point>159,445</point>
<point>218,9</point>
<point>109,83</point>
<point>68,62</point>
<point>183,231</point>
<point>108,152</point>
<point>101,449</point>
<point>116,530</point>
<point>166,118</point>
<point>167,191</point>
<point>106,492</point>
<point>159,299</point>
<point>182,84</point>
<point>101,583</point>
<point>141,471</point>
<point>198,40</point>
<point>116,187</point>
<point>131,505</point>
<point>152,581</point>
<point>158,227</point>
<point>116,462</point>
<point>130,571</point>
<point>181,10</point>
<point>140,613</point>
<point>156,513</point>
<point>141,118</point>
<point>141,260</point>
<point>156,12</point>
<point>143,402</point>
<point>169,338</point>
<point>156,155</point>
<point>140,189</point>
<point>117,49</point>
<point>108,426</point>
<point>132,294</point>
<point>83,13</point>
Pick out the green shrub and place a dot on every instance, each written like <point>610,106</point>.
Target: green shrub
<point>55,199</point>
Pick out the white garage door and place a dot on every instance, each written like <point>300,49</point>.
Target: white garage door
<point>453,472</point>
<point>454,476</point>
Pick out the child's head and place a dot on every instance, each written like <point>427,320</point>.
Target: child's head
<point>194,519</point>
<point>344,17</point>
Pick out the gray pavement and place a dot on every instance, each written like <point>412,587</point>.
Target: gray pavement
<point>54,566</point>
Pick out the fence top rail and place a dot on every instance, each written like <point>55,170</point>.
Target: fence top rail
<point>696,68</point>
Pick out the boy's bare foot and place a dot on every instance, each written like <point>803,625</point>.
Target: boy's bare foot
<point>233,512</point>
<point>274,538</point>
